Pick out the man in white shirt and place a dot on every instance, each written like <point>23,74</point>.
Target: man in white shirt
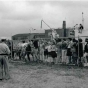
<point>4,51</point>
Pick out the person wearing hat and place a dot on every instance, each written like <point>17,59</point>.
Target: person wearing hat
<point>4,52</point>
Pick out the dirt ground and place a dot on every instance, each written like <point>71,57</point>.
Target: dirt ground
<point>34,75</point>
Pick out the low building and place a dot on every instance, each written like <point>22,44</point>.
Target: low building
<point>27,36</point>
<point>69,33</point>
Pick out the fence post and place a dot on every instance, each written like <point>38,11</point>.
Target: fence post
<point>11,48</point>
<point>78,50</point>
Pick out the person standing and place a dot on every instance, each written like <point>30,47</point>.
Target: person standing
<point>64,51</point>
<point>45,51</point>
<point>4,52</point>
<point>80,51</point>
<point>49,59</point>
<point>28,51</point>
<point>74,52</point>
<point>86,52</point>
<point>23,49</point>
<point>41,49</point>
<point>59,49</point>
<point>19,47</point>
<point>69,53</point>
<point>53,52</point>
<point>36,49</point>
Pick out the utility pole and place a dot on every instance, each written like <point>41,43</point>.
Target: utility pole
<point>82,20</point>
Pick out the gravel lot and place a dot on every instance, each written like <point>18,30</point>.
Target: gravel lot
<point>34,75</point>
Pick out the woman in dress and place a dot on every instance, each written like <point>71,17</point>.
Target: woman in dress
<point>53,52</point>
<point>74,52</point>
<point>49,60</point>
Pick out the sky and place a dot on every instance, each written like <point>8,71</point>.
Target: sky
<point>21,16</point>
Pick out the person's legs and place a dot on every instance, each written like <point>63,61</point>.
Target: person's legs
<point>43,56</point>
<point>54,60</point>
<point>33,56</point>
<point>36,55</point>
<point>79,59</point>
<point>75,60</point>
<point>62,56</point>
<point>28,56</point>
<point>19,54</point>
<point>85,60</point>
<point>1,68</point>
<point>24,54</point>
<point>6,67</point>
<point>40,56</point>
<point>58,60</point>
<point>80,64</point>
<point>87,57</point>
<point>69,57</point>
<point>13,54</point>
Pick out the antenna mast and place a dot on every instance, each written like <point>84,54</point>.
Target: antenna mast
<point>82,20</point>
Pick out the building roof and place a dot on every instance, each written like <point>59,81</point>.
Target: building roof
<point>28,34</point>
<point>53,28</point>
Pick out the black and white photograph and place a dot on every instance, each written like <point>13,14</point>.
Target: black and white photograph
<point>43,43</point>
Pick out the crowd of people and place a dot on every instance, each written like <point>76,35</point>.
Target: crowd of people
<point>65,51</point>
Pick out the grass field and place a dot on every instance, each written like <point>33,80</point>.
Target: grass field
<point>34,75</point>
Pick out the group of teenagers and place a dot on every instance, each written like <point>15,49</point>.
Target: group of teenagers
<point>65,51</point>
